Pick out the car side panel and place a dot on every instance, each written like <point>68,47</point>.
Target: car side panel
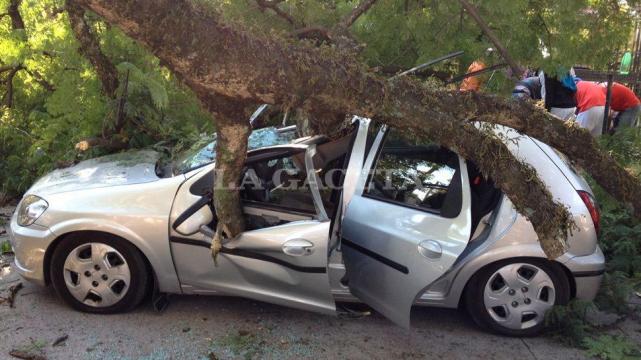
<point>138,213</point>
<point>297,282</point>
<point>583,240</point>
<point>512,236</point>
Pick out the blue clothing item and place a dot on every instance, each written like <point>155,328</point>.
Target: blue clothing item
<point>568,82</point>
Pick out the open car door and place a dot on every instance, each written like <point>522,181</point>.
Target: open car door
<point>405,224</point>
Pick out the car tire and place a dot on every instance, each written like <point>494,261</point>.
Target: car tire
<point>516,305</point>
<point>111,271</point>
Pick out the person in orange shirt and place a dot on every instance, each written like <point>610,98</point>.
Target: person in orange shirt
<point>473,83</point>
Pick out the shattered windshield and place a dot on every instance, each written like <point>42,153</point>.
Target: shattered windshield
<point>204,152</point>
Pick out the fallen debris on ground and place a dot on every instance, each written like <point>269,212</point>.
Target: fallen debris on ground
<point>24,355</point>
<point>13,290</point>
<point>61,340</point>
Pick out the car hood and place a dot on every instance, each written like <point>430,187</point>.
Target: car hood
<point>133,167</point>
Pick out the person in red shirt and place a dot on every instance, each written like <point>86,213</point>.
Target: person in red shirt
<point>625,102</point>
<point>590,103</point>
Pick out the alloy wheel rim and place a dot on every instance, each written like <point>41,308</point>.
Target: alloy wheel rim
<point>517,296</point>
<point>96,274</point>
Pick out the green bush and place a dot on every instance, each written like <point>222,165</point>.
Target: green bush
<point>620,238</point>
<point>608,347</point>
<point>5,247</point>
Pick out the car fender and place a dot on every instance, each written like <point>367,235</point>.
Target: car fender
<point>513,237</point>
<point>159,257</point>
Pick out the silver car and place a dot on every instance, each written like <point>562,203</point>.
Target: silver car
<point>369,216</point>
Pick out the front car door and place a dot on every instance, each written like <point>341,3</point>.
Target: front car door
<point>282,257</point>
<point>406,223</point>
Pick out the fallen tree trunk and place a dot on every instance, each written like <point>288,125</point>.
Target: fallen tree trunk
<point>231,152</point>
<point>214,58</point>
<point>573,141</point>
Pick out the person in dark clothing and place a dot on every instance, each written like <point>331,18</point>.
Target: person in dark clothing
<point>528,88</point>
<point>559,95</point>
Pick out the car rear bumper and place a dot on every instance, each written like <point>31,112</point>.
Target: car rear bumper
<point>29,245</point>
<point>587,272</point>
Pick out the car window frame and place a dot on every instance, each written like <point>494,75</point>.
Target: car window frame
<point>277,152</point>
<point>438,212</point>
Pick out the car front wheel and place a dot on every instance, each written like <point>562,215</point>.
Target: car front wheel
<point>99,273</point>
<point>512,297</point>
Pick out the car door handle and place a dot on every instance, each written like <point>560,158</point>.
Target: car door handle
<point>431,249</point>
<point>298,247</point>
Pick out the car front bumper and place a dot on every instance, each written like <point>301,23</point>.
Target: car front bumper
<point>587,272</point>
<point>29,245</point>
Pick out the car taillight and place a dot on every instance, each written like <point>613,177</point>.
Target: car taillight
<point>593,208</point>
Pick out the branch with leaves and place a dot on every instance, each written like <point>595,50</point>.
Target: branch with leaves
<point>17,23</point>
<point>273,5</point>
<point>474,13</point>
<point>316,32</point>
<point>90,48</point>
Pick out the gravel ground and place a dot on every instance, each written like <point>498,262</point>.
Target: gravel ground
<point>195,327</point>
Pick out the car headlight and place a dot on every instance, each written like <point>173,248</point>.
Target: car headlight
<point>31,207</point>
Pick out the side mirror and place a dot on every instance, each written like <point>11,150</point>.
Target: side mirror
<point>192,225</point>
<point>197,215</point>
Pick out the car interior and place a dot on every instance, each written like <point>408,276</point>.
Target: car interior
<point>275,189</point>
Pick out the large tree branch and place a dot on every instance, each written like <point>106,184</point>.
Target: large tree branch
<point>473,11</point>
<point>351,18</point>
<point>5,68</point>
<point>17,23</point>
<point>231,148</point>
<point>41,80</point>
<point>212,58</point>
<point>7,100</point>
<point>573,141</point>
<point>90,48</point>
<point>111,144</point>
<point>273,5</point>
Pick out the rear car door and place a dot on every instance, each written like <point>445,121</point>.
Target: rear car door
<point>406,224</point>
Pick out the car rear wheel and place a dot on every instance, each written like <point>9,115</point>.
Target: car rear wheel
<point>512,297</point>
<point>99,273</point>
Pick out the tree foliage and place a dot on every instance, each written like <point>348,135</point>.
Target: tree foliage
<point>58,98</point>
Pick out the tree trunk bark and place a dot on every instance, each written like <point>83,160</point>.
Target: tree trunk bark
<point>233,130</point>
<point>14,13</point>
<point>213,58</point>
<point>8,96</point>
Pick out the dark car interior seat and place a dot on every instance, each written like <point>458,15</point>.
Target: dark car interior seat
<point>485,195</point>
